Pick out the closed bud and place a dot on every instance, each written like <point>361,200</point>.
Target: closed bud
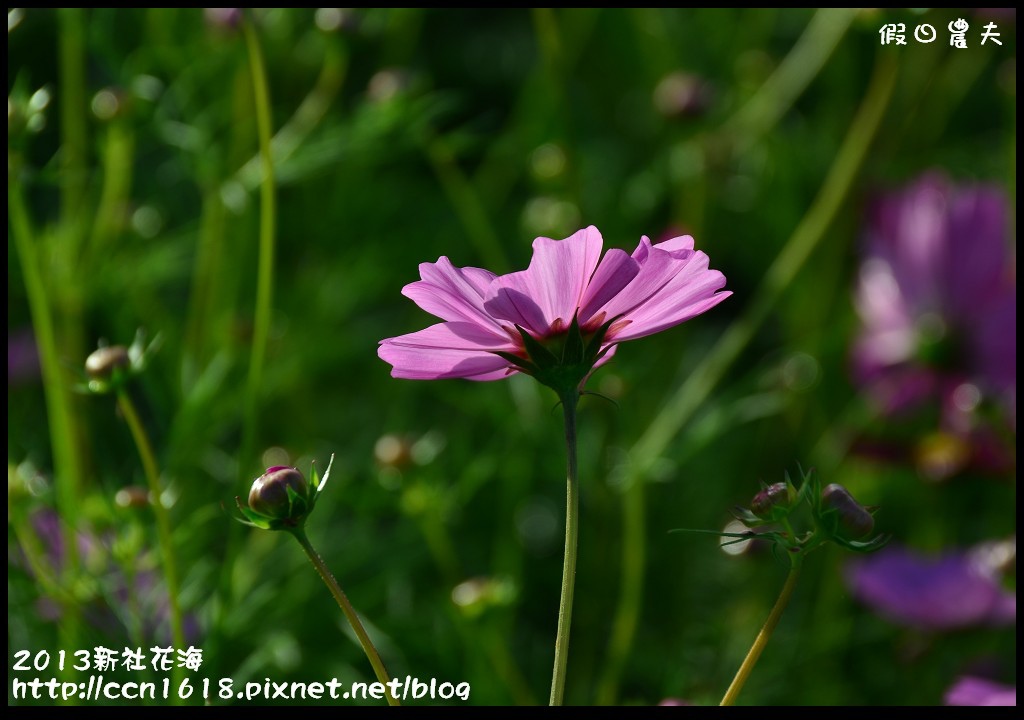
<point>852,518</point>
<point>103,363</point>
<point>270,496</point>
<point>778,494</point>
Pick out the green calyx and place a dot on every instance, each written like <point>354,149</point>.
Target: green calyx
<point>563,361</point>
<point>281,499</point>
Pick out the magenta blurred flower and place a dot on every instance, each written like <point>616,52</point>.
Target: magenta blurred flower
<point>978,692</point>
<point>955,590</point>
<point>126,592</point>
<point>22,357</point>
<point>938,299</point>
<point>494,324</point>
<point>674,702</point>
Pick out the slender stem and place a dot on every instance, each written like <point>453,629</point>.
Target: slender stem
<point>163,521</point>
<point>350,613</point>
<point>572,514</point>
<point>59,414</point>
<point>627,614</point>
<point>800,66</point>
<point>762,637</point>
<point>261,321</point>
<point>268,215</point>
<point>307,116</point>
<point>72,114</point>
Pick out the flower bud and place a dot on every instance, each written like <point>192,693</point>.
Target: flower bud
<point>778,494</point>
<point>223,18</point>
<point>103,363</point>
<point>270,498</point>
<point>682,95</point>
<point>851,517</point>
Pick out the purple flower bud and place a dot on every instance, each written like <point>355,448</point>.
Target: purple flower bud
<point>103,363</point>
<point>852,517</point>
<point>776,494</point>
<point>269,495</point>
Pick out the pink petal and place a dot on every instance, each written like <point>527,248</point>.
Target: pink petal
<point>493,375</point>
<point>614,273</point>
<point>552,287</point>
<point>451,293</point>
<point>676,244</point>
<point>445,350</point>
<point>656,268</point>
<point>455,336</point>
<point>680,299</point>
<point>690,292</point>
<point>640,254</point>
<point>652,323</point>
<point>515,306</point>
<point>417,363</point>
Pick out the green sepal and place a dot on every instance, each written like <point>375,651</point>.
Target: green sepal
<point>594,352</point>
<point>574,349</point>
<point>863,546</point>
<point>252,519</point>
<point>298,505</point>
<point>317,484</point>
<point>543,358</point>
<point>524,365</point>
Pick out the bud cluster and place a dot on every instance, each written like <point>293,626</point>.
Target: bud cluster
<point>832,514</point>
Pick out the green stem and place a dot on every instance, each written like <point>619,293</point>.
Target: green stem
<point>268,214</point>
<point>59,415</point>
<point>261,321</point>
<point>307,116</point>
<point>634,552</point>
<point>572,514</point>
<point>350,613</point>
<point>762,637</point>
<point>72,114</point>
<point>800,66</point>
<point>163,521</point>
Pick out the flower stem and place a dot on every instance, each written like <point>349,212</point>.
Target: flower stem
<point>67,463</point>
<point>762,637</point>
<point>163,521</point>
<point>350,613</point>
<point>572,514</point>
<point>268,218</point>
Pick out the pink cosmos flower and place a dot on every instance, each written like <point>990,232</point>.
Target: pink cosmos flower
<point>563,316</point>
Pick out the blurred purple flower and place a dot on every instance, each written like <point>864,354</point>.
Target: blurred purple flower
<point>954,590</point>
<point>22,356</point>
<point>223,18</point>
<point>672,702</point>
<point>140,591</point>
<point>978,692</point>
<point>937,297</point>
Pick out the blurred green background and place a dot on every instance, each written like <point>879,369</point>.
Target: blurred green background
<point>404,134</point>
